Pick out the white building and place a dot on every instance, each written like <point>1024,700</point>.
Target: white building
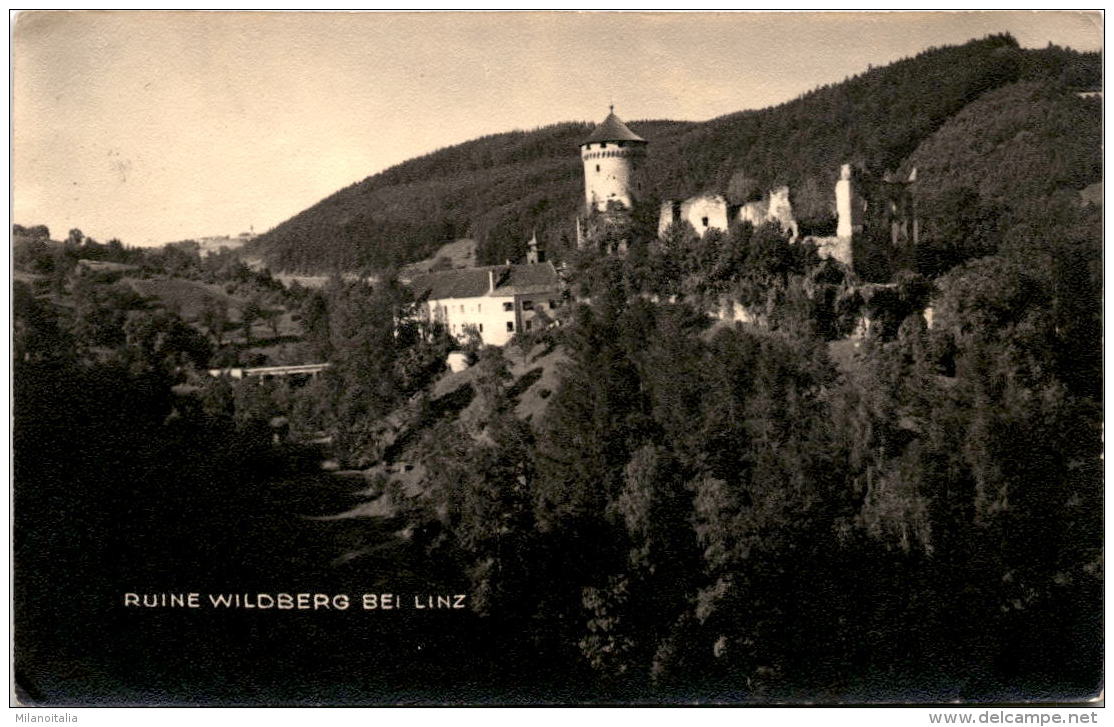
<point>495,301</point>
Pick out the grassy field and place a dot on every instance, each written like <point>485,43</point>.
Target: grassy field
<point>459,253</point>
<point>185,296</point>
<point>537,374</point>
<point>278,344</point>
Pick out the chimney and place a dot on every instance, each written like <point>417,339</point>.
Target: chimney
<point>491,281</point>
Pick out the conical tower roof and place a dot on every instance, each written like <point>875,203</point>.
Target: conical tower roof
<point>612,129</point>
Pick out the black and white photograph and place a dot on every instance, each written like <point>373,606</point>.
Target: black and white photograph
<point>556,358</point>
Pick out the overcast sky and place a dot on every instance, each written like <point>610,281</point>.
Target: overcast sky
<point>154,127</point>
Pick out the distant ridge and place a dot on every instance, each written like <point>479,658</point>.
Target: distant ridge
<point>498,189</point>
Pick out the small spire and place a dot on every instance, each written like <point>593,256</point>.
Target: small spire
<point>611,107</point>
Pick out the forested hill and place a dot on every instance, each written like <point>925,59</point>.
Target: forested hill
<point>498,188</point>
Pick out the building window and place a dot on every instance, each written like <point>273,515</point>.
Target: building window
<point>527,305</point>
<point>508,306</point>
<point>603,145</point>
<point>481,328</point>
<point>597,167</point>
<point>620,144</point>
<point>704,221</point>
<point>510,326</point>
<point>462,305</point>
<point>529,325</point>
<point>478,307</point>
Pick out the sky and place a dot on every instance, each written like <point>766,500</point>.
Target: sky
<point>152,127</point>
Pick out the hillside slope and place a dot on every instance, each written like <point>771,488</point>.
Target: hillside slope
<point>1014,145</point>
<point>497,189</point>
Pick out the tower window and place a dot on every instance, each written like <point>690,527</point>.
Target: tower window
<point>704,221</point>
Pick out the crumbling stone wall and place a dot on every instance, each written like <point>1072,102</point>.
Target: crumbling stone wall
<point>836,248</point>
<point>862,206</point>
<point>705,212</point>
<point>712,211</point>
<point>780,210</point>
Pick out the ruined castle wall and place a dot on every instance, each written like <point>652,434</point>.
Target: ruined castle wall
<point>754,212</point>
<point>666,216</point>
<point>776,207</point>
<point>729,309</point>
<point>705,212</point>
<point>837,248</point>
<point>780,210</point>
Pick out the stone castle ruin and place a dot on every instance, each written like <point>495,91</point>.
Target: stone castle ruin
<point>886,204</point>
<point>713,212</point>
<point>866,207</point>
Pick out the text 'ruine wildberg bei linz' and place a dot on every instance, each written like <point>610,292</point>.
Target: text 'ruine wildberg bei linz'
<point>299,601</point>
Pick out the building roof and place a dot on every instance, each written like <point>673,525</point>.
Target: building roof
<point>476,282</point>
<point>612,129</point>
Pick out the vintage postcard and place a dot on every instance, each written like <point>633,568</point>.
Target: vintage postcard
<point>556,358</point>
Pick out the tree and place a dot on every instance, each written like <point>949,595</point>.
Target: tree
<point>273,317</point>
<point>959,226</point>
<point>249,314</point>
<point>100,312</point>
<point>37,334</point>
<point>593,420</point>
<point>315,324</point>
<point>115,251</point>
<point>631,615</point>
<point>379,360</point>
<point>214,317</point>
<point>163,341</point>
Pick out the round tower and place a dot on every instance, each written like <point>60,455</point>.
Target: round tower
<point>611,156</point>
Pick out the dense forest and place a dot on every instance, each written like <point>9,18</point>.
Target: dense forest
<point>498,189</point>
<point>133,468</point>
<point>705,511</point>
<point>844,490</point>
